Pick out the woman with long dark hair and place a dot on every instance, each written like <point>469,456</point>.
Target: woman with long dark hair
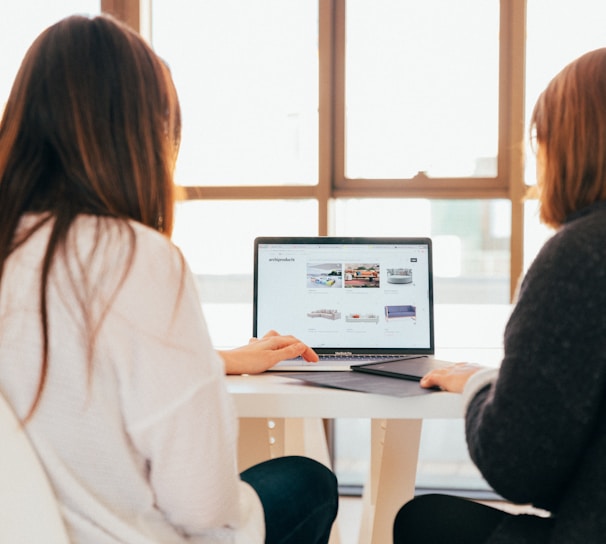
<point>104,352</point>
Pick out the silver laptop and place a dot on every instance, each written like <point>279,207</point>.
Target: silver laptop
<point>354,300</point>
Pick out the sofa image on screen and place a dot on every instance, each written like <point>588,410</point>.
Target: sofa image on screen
<point>326,314</point>
<point>362,318</point>
<point>405,310</point>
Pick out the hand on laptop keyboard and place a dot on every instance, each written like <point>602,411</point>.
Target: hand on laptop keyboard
<point>263,353</point>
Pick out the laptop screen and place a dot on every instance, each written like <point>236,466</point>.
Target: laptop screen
<point>358,295</point>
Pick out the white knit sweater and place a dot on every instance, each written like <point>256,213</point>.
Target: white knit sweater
<point>142,449</point>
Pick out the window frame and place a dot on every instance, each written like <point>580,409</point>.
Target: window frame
<point>332,182</point>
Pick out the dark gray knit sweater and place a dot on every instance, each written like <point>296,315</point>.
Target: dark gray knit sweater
<point>538,434</point>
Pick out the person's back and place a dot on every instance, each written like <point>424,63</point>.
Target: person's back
<point>163,372</point>
<point>541,436</point>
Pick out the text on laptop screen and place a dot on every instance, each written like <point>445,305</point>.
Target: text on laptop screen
<point>350,295</point>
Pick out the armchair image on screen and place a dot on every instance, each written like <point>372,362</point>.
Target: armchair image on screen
<point>399,275</point>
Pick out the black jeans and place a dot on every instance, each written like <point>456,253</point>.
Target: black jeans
<point>300,499</point>
<point>443,519</point>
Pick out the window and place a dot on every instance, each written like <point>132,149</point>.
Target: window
<point>247,77</point>
<point>470,240</point>
<point>315,118</point>
<point>294,101</point>
<point>421,93</point>
<point>546,54</point>
<point>216,238</point>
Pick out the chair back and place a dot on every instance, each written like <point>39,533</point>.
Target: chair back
<point>29,512</point>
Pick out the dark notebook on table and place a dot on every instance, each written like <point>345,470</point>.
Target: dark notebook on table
<point>354,300</point>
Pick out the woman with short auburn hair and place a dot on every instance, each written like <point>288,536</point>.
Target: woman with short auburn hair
<point>536,427</point>
<point>104,351</point>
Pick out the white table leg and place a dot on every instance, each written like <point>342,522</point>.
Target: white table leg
<point>391,482</point>
<point>261,439</point>
<point>254,444</point>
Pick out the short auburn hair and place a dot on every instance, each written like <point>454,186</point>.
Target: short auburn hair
<point>569,123</point>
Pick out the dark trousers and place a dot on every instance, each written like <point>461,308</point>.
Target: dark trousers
<point>300,499</point>
<point>442,519</point>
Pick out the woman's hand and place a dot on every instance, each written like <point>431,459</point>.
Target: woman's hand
<point>450,378</point>
<point>263,353</point>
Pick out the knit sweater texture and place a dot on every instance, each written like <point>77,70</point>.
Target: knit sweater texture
<point>538,433</point>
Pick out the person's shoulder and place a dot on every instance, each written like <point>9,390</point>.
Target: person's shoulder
<point>112,232</point>
<point>582,233</point>
<point>573,256</point>
<point>151,238</point>
<point>584,228</point>
<point>586,223</point>
<point>119,243</point>
<point>155,251</point>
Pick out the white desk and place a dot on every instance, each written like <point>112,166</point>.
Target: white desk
<point>281,416</point>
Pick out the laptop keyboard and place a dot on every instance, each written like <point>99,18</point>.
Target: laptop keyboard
<point>358,358</point>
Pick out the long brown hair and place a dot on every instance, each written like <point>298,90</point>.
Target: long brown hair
<point>91,126</point>
<point>569,122</point>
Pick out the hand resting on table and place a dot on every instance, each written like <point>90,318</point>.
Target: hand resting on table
<point>450,378</point>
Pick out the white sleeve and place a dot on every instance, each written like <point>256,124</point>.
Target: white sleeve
<point>476,383</point>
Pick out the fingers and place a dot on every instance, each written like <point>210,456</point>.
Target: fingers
<point>309,355</point>
<point>450,378</point>
<point>428,381</point>
<point>296,348</point>
<point>268,334</point>
<point>273,340</point>
<point>434,378</point>
<point>287,347</point>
